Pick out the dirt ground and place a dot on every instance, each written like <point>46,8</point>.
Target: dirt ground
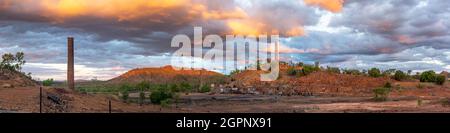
<point>405,98</point>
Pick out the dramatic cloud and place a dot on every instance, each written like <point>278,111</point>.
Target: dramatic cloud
<point>332,5</point>
<point>113,36</point>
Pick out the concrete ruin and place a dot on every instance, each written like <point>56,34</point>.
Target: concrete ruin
<point>70,64</point>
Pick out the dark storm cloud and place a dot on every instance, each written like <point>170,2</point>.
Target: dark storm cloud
<point>412,34</point>
<point>406,22</point>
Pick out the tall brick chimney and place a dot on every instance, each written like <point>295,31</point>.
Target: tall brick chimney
<point>70,63</point>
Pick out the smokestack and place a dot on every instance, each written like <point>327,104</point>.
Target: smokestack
<point>70,67</point>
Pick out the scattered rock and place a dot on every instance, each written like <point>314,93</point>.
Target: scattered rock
<point>7,85</point>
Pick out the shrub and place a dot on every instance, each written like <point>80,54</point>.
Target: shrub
<point>352,72</point>
<point>381,94</point>
<point>388,72</point>
<point>205,88</point>
<point>428,76</point>
<point>174,88</point>
<point>126,87</point>
<point>308,69</point>
<point>141,97</point>
<point>48,82</point>
<point>420,86</point>
<point>160,95</point>
<point>399,75</point>
<point>291,71</point>
<point>142,86</point>
<point>125,95</point>
<point>445,102</point>
<point>387,85</point>
<point>166,102</point>
<point>440,79</point>
<point>333,69</point>
<point>185,87</point>
<point>374,72</point>
<point>235,72</point>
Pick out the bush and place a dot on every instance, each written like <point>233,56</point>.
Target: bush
<point>352,72</point>
<point>126,87</point>
<point>440,79</point>
<point>374,72</point>
<point>166,102</point>
<point>185,87</point>
<point>428,76</point>
<point>142,86</point>
<point>205,88</point>
<point>141,97</point>
<point>291,71</point>
<point>333,70</point>
<point>160,95</point>
<point>399,75</point>
<point>235,72</point>
<point>308,69</point>
<point>388,72</point>
<point>387,85</point>
<point>445,102</point>
<point>420,86</point>
<point>48,82</point>
<point>381,94</point>
<point>174,88</point>
<point>125,95</point>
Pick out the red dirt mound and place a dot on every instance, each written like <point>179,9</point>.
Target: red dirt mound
<point>12,79</point>
<point>166,74</point>
<point>317,83</point>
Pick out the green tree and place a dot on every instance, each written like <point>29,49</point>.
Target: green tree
<point>161,95</point>
<point>186,87</point>
<point>440,79</point>
<point>143,85</point>
<point>126,87</point>
<point>174,88</point>
<point>399,75</point>
<point>47,82</point>
<point>388,72</point>
<point>374,72</point>
<point>125,95</point>
<point>13,62</point>
<point>428,76</point>
<point>258,67</point>
<point>205,88</point>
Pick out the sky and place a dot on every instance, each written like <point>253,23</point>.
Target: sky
<point>114,36</point>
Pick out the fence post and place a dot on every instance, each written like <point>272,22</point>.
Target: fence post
<point>40,99</point>
<point>109,105</point>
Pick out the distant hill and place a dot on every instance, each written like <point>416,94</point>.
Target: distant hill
<point>168,74</point>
